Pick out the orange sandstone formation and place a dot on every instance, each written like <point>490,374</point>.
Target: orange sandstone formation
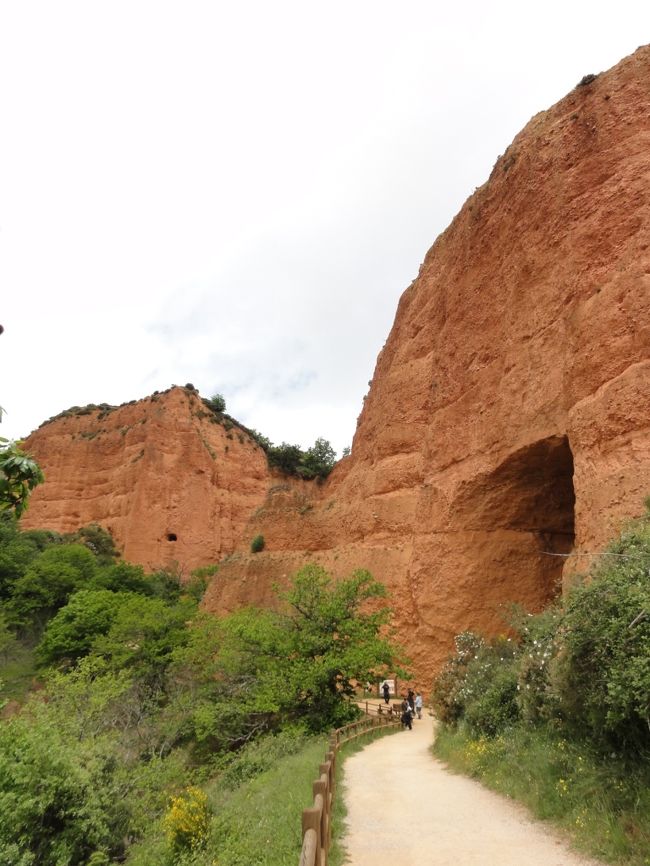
<point>171,484</point>
<point>507,424</point>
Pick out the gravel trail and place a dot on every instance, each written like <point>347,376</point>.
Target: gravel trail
<point>405,808</point>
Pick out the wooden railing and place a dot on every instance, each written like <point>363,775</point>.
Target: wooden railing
<point>316,821</point>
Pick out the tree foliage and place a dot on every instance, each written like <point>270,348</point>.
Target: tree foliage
<point>19,475</point>
<point>49,582</point>
<point>316,462</point>
<point>298,664</point>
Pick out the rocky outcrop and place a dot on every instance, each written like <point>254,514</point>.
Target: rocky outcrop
<point>506,433</point>
<point>174,482</point>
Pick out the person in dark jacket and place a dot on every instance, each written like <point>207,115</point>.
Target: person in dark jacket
<point>407,716</point>
<point>386,690</point>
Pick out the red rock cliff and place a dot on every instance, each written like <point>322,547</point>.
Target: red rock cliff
<point>507,424</point>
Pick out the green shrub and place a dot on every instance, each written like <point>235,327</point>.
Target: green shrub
<point>59,795</point>
<point>447,695</point>
<point>493,707</point>
<point>261,755</point>
<point>257,544</point>
<point>49,582</point>
<point>603,668</point>
<point>71,633</point>
<point>217,403</point>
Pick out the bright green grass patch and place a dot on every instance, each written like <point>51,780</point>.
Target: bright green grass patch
<point>603,805</point>
<point>258,822</point>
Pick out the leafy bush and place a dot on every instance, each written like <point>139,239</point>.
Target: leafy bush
<point>19,475</point>
<point>493,707</point>
<point>316,462</point>
<point>603,678</point>
<point>447,694</point>
<point>124,577</point>
<point>59,795</point>
<point>49,582</point>
<point>98,540</point>
<point>217,403</point>
<point>257,544</point>
<point>71,633</point>
<point>287,458</point>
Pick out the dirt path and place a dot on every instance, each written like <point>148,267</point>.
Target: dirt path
<point>405,808</point>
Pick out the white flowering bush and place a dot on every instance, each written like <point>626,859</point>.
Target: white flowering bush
<point>537,693</point>
<point>478,685</point>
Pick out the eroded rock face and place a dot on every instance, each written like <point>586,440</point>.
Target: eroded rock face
<point>171,484</point>
<point>507,424</point>
<point>508,419</point>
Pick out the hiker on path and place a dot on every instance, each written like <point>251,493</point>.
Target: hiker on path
<point>418,704</point>
<point>386,690</point>
<point>411,700</point>
<point>407,718</point>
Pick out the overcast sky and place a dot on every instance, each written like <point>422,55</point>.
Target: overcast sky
<point>235,194</point>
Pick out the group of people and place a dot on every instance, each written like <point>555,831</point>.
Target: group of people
<point>410,707</point>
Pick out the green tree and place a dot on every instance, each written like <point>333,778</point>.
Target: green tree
<point>49,582</point>
<point>72,632</point>
<point>261,668</point>
<point>19,475</point>
<point>143,635</point>
<point>124,577</point>
<point>217,403</point>
<point>17,550</point>
<point>58,787</point>
<point>287,458</point>
<point>96,539</point>
<point>319,460</point>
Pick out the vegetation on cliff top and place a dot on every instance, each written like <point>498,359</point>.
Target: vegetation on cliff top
<point>558,715</point>
<point>315,462</point>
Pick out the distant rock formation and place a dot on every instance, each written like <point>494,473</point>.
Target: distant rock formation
<point>174,482</point>
<point>507,424</point>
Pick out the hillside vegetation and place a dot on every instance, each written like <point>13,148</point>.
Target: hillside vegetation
<point>136,726</point>
<point>558,713</point>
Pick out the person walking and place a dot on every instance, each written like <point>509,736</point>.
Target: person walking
<point>418,704</point>
<point>407,718</point>
<point>411,699</point>
<point>386,690</point>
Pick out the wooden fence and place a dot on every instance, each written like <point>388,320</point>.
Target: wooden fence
<point>316,821</point>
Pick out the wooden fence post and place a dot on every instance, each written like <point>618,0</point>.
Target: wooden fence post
<point>311,820</point>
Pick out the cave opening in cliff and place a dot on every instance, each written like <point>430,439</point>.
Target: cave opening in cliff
<point>171,536</point>
<point>530,500</point>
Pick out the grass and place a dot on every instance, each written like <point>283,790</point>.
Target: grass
<point>258,822</point>
<point>601,804</point>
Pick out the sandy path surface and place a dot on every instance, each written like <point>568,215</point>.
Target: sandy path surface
<point>405,808</point>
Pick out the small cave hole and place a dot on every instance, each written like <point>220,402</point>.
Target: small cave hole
<point>171,536</point>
